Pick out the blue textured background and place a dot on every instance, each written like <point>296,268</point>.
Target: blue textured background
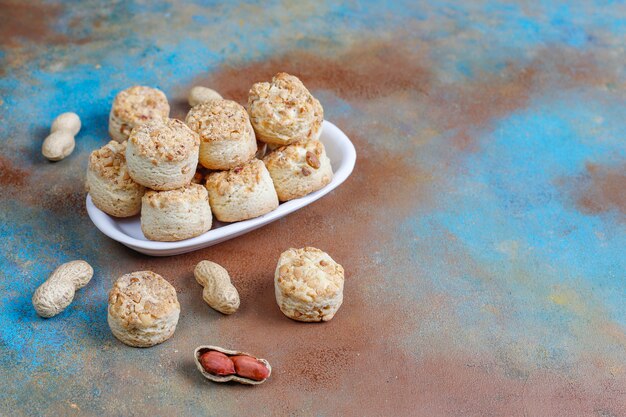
<point>483,231</point>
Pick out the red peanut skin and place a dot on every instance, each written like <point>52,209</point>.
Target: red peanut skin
<point>249,367</point>
<point>216,363</point>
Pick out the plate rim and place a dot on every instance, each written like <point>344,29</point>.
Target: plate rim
<point>206,239</point>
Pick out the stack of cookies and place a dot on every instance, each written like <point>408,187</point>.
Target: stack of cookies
<point>179,175</point>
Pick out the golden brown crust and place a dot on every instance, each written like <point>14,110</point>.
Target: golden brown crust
<point>226,182</point>
<point>109,162</point>
<point>220,120</point>
<point>189,193</point>
<point>139,298</point>
<point>284,111</point>
<point>309,275</point>
<point>177,214</point>
<point>164,140</point>
<point>244,192</point>
<point>139,104</point>
<point>299,169</point>
<point>296,156</point>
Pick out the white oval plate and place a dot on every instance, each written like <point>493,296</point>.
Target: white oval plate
<point>128,231</point>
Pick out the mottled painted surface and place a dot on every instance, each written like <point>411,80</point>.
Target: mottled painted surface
<point>483,230</point>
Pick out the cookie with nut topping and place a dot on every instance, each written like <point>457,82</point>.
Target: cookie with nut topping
<point>283,111</point>
<point>162,154</point>
<point>241,193</point>
<point>108,183</point>
<point>173,215</point>
<point>299,169</point>
<point>135,106</point>
<point>308,285</point>
<point>226,135</point>
<point>143,309</point>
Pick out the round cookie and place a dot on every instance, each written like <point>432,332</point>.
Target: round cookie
<point>162,154</point>
<point>241,193</point>
<point>173,215</point>
<point>308,284</point>
<point>226,135</point>
<point>143,309</point>
<point>109,184</point>
<point>284,111</point>
<point>299,169</point>
<point>135,106</point>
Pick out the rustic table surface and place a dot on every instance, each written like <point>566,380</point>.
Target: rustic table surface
<point>483,230</point>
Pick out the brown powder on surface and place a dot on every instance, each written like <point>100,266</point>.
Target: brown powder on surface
<point>10,174</point>
<point>362,356</point>
<point>308,356</point>
<point>358,357</point>
<point>377,69</point>
<point>577,67</point>
<point>32,21</point>
<point>603,188</point>
<point>367,71</point>
<point>465,107</point>
<point>487,97</point>
<point>65,198</point>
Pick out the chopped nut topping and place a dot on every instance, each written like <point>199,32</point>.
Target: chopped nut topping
<point>110,163</point>
<point>164,140</point>
<point>312,160</point>
<point>297,156</point>
<point>247,175</point>
<point>137,104</point>
<point>219,120</point>
<point>284,111</point>
<point>187,193</point>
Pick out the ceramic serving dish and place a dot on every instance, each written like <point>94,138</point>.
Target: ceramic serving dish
<point>128,231</point>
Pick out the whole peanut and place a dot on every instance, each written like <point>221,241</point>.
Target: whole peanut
<point>249,367</point>
<point>199,94</point>
<point>60,143</point>
<point>219,293</point>
<point>54,295</point>
<point>69,122</point>
<point>217,363</point>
